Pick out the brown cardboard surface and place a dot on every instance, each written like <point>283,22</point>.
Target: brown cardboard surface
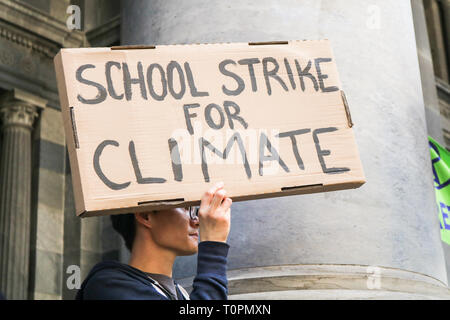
<point>136,120</point>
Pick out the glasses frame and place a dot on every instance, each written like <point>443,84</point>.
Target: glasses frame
<point>193,212</point>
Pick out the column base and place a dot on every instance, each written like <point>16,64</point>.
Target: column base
<point>332,282</point>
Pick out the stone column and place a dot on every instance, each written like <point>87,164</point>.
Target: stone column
<point>17,115</point>
<point>436,16</point>
<point>383,236</point>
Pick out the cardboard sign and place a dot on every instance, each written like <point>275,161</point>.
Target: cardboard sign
<point>153,127</point>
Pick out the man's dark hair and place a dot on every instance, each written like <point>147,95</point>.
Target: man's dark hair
<point>125,225</point>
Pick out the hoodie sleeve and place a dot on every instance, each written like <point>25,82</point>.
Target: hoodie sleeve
<point>113,285</point>
<point>211,282</point>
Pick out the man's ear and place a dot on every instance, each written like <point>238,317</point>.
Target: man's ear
<point>144,218</point>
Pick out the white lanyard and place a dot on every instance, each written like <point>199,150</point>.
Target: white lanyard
<point>160,289</point>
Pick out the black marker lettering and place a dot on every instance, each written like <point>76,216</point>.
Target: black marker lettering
<point>240,82</point>
<point>322,153</point>
<point>234,115</point>
<point>175,65</point>
<point>292,134</point>
<point>137,170</point>
<point>109,82</point>
<point>188,116</point>
<point>251,70</point>
<point>289,73</point>
<point>101,95</point>
<point>263,144</point>
<point>98,169</point>
<point>305,73</point>
<point>190,80</point>
<point>236,137</point>
<point>272,74</point>
<point>176,160</point>
<point>128,81</point>
<point>151,87</point>
<point>321,76</point>
<point>209,119</point>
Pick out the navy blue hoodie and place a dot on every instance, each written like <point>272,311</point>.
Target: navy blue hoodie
<point>112,280</point>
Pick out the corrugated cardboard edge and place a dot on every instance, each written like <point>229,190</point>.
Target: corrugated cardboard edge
<point>150,47</point>
<point>141,46</point>
<point>288,191</point>
<point>70,134</point>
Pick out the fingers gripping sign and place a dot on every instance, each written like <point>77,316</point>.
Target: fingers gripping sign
<point>214,214</point>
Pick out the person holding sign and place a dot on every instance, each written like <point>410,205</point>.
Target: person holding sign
<point>155,239</point>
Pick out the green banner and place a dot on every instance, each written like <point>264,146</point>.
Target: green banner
<point>440,159</point>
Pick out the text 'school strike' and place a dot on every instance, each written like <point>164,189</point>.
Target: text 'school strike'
<point>174,79</point>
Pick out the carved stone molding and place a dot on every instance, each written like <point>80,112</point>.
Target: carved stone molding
<point>18,114</point>
<point>19,108</point>
<point>37,22</point>
<point>42,33</point>
<point>29,41</point>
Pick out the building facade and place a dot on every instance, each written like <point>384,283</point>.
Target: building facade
<point>380,241</point>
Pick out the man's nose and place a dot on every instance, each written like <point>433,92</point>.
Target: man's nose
<point>194,222</point>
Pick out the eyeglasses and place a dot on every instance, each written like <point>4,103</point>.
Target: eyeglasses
<point>193,212</point>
